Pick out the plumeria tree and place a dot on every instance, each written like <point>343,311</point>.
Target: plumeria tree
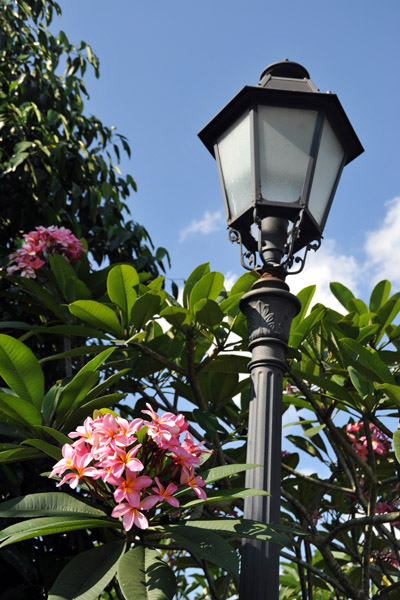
<point>145,440</point>
<point>59,166</point>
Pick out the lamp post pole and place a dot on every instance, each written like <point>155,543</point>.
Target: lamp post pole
<point>269,308</point>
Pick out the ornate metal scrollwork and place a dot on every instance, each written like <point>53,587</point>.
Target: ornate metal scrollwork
<point>248,259</point>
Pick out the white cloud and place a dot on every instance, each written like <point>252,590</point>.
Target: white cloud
<point>382,244</point>
<point>323,267</point>
<point>230,279</point>
<point>209,223</point>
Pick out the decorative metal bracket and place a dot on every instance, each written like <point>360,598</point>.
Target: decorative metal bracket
<point>248,257</point>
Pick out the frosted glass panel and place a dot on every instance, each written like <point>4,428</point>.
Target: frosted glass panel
<point>234,154</point>
<point>329,159</point>
<point>285,142</point>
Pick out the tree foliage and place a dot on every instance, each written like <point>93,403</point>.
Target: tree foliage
<point>59,166</point>
<point>339,523</point>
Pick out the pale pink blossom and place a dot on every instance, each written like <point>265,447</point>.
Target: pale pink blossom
<point>104,451</point>
<point>131,515</point>
<point>165,493</point>
<point>122,460</point>
<point>82,471</point>
<point>128,488</point>
<point>39,245</point>
<point>196,483</point>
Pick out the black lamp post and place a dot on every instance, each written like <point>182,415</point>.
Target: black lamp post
<point>280,148</point>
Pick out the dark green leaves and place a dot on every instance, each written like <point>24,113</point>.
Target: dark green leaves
<point>142,575</point>
<point>21,370</point>
<point>86,576</point>
<point>98,315</point>
<point>206,545</point>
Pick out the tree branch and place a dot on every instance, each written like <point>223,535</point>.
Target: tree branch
<point>165,362</point>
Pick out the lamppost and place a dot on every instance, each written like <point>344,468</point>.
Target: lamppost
<point>280,148</point>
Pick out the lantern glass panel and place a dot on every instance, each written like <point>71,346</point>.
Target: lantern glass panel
<point>234,156</point>
<point>330,157</point>
<point>285,136</point>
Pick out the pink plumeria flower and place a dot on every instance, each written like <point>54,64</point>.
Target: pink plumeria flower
<point>81,471</point>
<point>68,462</point>
<point>196,483</point>
<point>164,423</point>
<point>84,433</point>
<point>107,427</point>
<point>184,458</point>
<point>128,488</point>
<point>131,515</point>
<point>164,494</point>
<point>127,429</point>
<point>192,448</point>
<point>121,460</point>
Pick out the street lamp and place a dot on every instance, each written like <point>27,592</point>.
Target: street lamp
<point>280,148</point>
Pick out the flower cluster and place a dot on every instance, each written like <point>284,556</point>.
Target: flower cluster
<point>380,442</point>
<point>39,244</point>
<point>136,464</point>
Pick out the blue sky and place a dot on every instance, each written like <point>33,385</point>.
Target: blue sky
<point>168,67</point>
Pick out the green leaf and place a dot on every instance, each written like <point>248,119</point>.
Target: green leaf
<point>358,306</point>
<point>244,283</point>
<point>49,449</point>
<point>75,392</point>
<point>77,330</point>
<point>224,495</point>
<point>207,420</point>
<point>305,296</point>
<point>26,530</point>
<point>313,430</point>
<point>386,314</point>
<point>98,360</point>
<point>48,504</point>
<point>97,314</point>
<point>230,304</point>
<point>363,385</point>
<point>208,312</point>
<point>341,293</point>
<point>142,575</point>
<point>379,295</point>
<point>88,573</point>
<point>177,316</point>
<point>243,528</point>
<point>65,276</point>
<point>209,286</point>
<point>78,415</point>
<point>19,454</point>
<point>206,545</point>
<point>326,385</point>
<point>393,391</point>
<point>42,294</point>
<point>228,363</point>
<point>305,445</point>
<point>396,444</point>
<point>191,281</point>
<point>96,391</point>
<point>367,362</point>
<point>21,370</point>
<point>146,307</point>
<point>299,333</point>
<point>217,473</point>
<point>120,287</point>
<point>20,410</point>
<point>57,435</point>
<point>81,351</point>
